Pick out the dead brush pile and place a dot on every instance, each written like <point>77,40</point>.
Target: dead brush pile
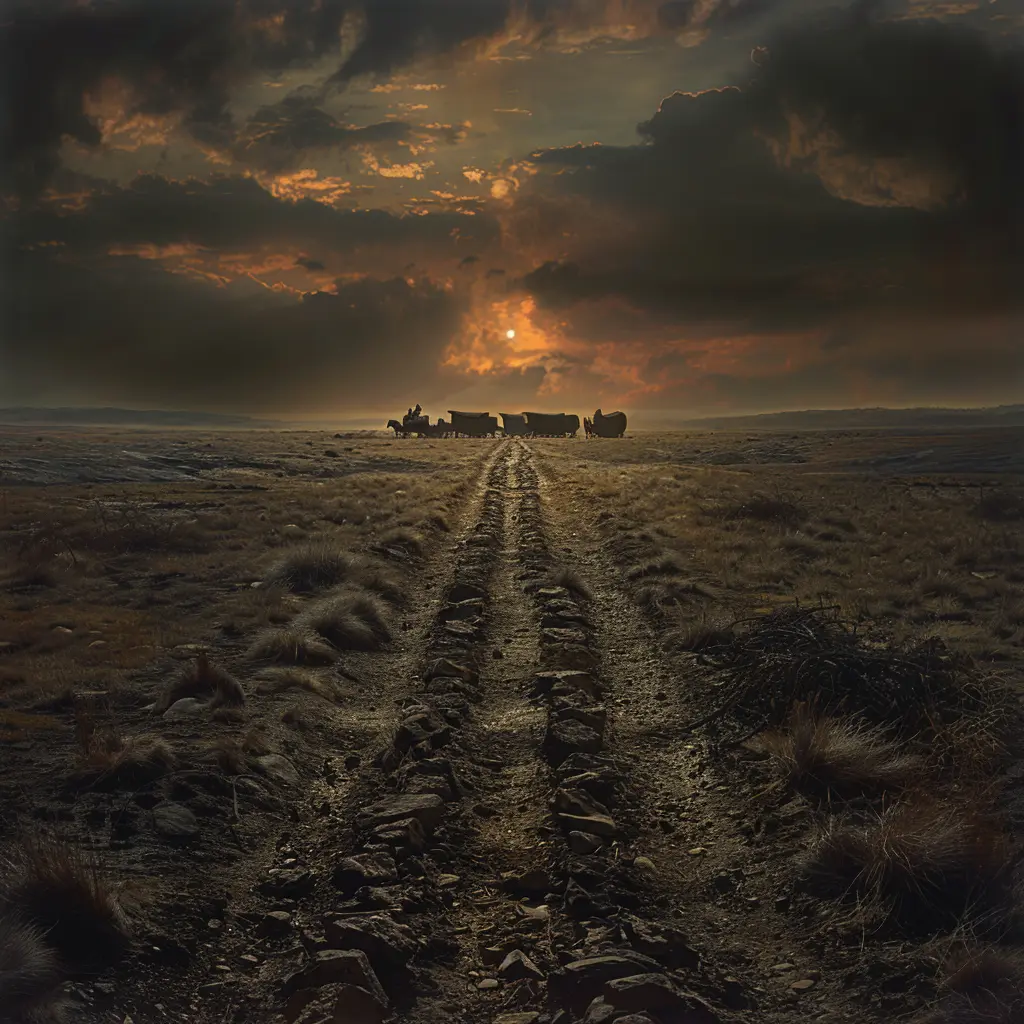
<point>771,663</point>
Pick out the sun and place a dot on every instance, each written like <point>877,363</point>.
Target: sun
<point>510,334</point>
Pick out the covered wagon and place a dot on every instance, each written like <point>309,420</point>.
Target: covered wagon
<point>514,424</point>
<point>552,424</point>
<point>472,424</point>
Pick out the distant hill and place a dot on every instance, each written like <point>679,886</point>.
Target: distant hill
<point>112,417</point>
<point>866,419</point>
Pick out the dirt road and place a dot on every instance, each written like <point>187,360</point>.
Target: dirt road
<point>524,831</point>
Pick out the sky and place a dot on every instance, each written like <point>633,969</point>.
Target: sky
<point>307,208</point>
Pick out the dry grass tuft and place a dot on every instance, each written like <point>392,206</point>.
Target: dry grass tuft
<point>201,679</point>
<point>29,972</point>
<point>657,595</point>
<point>310,568</point>
<point>110,762</point>
<point>764,508</point>
<point>349,620</point>
<point>291,645</point>
<point>1001,507</point>
<point>929,864</point>
<point>403,542</point>
<point>830,758</point>
<point>281,680</point>
<point>232,755</point>
<point>318,567</point>
<point>701,636</point>
<point>571,580</point>
<point>666,565</point>
<point>983,986</point>
<point>54,888</point>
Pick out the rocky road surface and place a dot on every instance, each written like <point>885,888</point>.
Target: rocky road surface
<point>531,837</point>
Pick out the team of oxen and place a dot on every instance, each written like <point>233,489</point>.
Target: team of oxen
<point>522,424</point>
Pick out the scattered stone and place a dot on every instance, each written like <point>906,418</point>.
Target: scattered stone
<point>187,707</point>
<point>338,967</point>
<point>278,768</point>
<point>336,1004</point>
<point>784,968</point>
<point>517,966</point>
<point>274,924</point>
<point>544,683</point>
<point>569,737</point>
<point>175,821</point>
<point>407,834</point>
<point>594,824</point>
<point>487,985</point>
<point>645,866</point>
<point>386,943</point>
<point>288,883</point>
<point>567,655</point>
<point>426,808</point>
<point>664,943</point>
<point>375,868</point>
<point>658,993</point>
<point>583,843</point>
<point>463,591</point>
<point>471,608</point>
<point>540,913</point>
<point>697,851</point>
<point>580,981</point>
<point>568,801</point>
<point>802,985</point>
<point>595,718</point>
<point>424,727</point>
<point>448,669</point>
<point>576,764</point>
<point>444,685</point>
<point>600,1011</point>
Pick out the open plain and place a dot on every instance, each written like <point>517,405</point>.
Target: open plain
<point>677,728</point>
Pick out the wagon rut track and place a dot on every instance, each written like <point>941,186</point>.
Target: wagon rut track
<point>515,844</point>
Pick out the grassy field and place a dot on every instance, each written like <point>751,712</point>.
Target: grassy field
<point>791,664</point>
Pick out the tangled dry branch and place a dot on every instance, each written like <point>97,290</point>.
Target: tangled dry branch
<point>767,665</point>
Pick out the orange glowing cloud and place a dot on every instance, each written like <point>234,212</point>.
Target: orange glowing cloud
<point>485,345</point>
<point>110,105</point>
<point>412,170</point>
<point>307,184</point>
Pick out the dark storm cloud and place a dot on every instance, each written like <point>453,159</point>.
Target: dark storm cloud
<point>868,165</point>
<point>183,56</point>
<point>286,134</point>
<point>235,213</point>
<point>124,330</point>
